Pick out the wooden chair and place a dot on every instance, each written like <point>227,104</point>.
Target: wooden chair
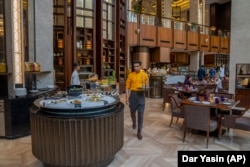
<point>197,117</point>
<point>176,109</point>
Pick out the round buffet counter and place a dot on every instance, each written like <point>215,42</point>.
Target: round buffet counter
<point>79,131</point>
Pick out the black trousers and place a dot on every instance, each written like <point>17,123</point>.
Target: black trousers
<point>137,103</point>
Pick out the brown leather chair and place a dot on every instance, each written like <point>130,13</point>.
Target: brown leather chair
<point>197,117</point>
<point>176,109</point>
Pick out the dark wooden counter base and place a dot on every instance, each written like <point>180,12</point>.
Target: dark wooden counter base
<point>80,141</point>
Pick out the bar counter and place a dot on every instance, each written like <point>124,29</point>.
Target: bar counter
<point>16,122</point>
<point>85,135</point>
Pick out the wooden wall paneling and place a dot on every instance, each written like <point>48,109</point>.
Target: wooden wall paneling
<point>165,37</point>
<point>180,39</point>
<point>215,43</point>
<point>224,45</point>
<point>160,54</point>
<point>179,58</point>
<point>192,41</point>
<point>132,33</point>
<point>204,42</point>
<point>147,35</point>
<point>209,60</point>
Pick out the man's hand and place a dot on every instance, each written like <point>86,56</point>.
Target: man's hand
<point>127,100</point>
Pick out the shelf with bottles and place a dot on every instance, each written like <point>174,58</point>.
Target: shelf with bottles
<point>84,39</point>
<point>59,73</point>
<point>85,61</point>
<point>86,68</point>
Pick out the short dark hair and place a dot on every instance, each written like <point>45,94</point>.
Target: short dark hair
<point>75,65</point>
<point>136,62</point>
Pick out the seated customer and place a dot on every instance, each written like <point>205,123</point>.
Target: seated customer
<point>188,80</point>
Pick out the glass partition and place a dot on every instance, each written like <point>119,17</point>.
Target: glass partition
<point>179,25</point>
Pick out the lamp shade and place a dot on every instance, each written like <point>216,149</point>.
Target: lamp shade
<point>176,11</point>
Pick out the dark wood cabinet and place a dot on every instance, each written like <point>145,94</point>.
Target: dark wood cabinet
<point>179,58</point>
<point>209,60</point>
<point>160,55</point>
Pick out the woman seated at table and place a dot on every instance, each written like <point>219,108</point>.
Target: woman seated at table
<point>188,80</point>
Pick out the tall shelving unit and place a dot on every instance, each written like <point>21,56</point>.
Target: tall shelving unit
<point>121,47</point>
<point>106,45</point>
<point>96,39</point>
<point>59,42</point>
<point>84,34</point>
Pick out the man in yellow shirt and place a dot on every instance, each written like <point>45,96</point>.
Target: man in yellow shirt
<point>135,84</point>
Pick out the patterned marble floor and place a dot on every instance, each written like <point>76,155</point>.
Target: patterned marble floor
<point>158,148</point>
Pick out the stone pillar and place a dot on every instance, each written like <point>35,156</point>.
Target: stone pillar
<point>240,38</point>
<point>194,61</point>
<point>43,40</point>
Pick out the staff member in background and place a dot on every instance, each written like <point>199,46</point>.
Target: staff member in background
<point>75,76</point>
<point>135,96</point>
<point>212,73</point>
<point>201,73</point>
<point>222,71</point>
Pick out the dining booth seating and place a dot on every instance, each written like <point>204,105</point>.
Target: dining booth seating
<point>176,108</point>
<point>198,117</point>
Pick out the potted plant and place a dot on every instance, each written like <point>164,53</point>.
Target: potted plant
<point>112,80</point>
<point>137,6</point>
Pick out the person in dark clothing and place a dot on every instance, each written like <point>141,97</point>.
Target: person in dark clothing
<point>201,73</point>
<point>188,80</point>
<point>212,73</point>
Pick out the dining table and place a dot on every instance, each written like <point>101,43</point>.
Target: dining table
<point>186,91</point>
<point>219,106</point>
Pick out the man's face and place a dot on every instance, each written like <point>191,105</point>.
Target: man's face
<point>137,67</point>
<point>78,68</point>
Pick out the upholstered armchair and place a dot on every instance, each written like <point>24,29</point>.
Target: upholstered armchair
<point>176,108</point>
<point>197,117</point>
<point>236,119</point>
<point>166,90</point>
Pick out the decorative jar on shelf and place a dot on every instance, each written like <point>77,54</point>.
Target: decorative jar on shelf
<point>59,43</point>
<point>3,67</point>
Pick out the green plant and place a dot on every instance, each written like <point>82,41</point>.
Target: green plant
<point>137,6</point>
<point>112,78</point>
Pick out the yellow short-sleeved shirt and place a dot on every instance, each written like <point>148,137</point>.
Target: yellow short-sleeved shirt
<point>136,80</point>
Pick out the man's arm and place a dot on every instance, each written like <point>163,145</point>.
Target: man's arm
<point>127,95</point>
